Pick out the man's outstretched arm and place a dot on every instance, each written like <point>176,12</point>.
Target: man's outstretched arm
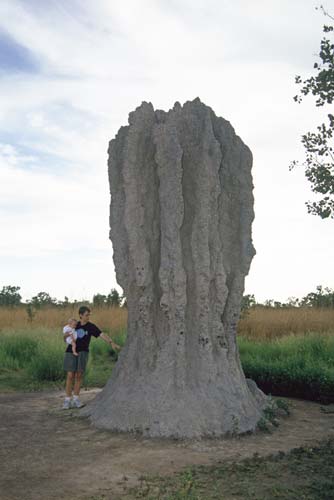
<point>107,339</point>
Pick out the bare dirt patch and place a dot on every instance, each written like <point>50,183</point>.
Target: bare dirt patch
<point>47,453</point>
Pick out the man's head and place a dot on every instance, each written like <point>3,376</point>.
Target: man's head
<point>84,313</point>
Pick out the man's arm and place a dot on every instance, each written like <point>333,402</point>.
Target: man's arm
<point>107,339</point>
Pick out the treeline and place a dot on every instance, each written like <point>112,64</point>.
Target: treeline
<point>321,298</point>
<point>10,297</point>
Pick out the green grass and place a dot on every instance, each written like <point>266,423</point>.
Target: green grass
<point>33,360</point>
<point>294,366</point>
<point>304,473</point>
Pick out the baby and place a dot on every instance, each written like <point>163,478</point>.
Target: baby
<point>71,339</point>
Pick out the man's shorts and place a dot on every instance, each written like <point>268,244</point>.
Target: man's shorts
<point>75,363</point>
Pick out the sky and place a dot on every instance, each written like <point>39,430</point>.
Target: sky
<point>70,73</point>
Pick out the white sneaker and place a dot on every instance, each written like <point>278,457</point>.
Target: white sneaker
<point>67,404</point>
<point>76,403</point>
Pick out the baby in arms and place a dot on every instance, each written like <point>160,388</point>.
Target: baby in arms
<point>71,334</point>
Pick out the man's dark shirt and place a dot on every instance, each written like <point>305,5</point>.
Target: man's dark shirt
<point>84,333</point>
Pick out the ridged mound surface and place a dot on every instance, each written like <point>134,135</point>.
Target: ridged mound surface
<point>180,223</point>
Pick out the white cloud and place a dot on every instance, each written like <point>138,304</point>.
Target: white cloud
<point>42,213</point>
<point>64,44</point>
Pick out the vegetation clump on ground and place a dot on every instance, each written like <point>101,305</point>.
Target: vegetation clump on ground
<point>304,473</point>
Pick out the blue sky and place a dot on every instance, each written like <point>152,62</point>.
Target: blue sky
<point>15,57</point>
<point>70,72</point>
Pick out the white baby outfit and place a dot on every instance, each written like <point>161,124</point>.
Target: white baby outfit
<point>69,329</point>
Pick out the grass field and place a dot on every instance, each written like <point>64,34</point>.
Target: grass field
<point>288,352</point>
<point>17,318</point>
<point>32,349</point>
<point>32,359</point>
<point>259,323</point>
<point>268,323</point>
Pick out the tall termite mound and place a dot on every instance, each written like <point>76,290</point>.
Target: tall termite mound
<point>180,222</point>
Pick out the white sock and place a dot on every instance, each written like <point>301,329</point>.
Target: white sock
<point>75,397</point>
<point>67,398</point>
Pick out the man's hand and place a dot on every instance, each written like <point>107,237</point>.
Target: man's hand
<point>106,338</point>
<point>115,346</point>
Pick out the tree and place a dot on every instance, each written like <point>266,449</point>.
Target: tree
<point>323,297</point>
<point>43,299</point>
<point>99,300</point>
<point>64,303</point>
<point>31,312</point>
<point>248,301</point>
<point>9,296</point>
<point>318,145</point>
<point>113,298</point>
<point>293,302</point>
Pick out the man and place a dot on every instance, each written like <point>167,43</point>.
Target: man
<point>76,365</point>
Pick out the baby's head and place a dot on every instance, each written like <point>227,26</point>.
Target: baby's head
<point>72,322</point>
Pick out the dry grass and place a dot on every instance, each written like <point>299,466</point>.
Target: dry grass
<point>108,319</point>
<point>268,323</point>
<point>260,323</point>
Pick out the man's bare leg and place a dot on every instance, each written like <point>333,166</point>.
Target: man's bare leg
<point>69,384</point>
<point>77,383</point>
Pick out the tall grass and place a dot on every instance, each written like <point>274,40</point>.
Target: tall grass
<point>107,318</point>
<point>268,323</point>
<point>260,323</point>
<point>17,350</point>
<point>31,357</point>
<point>277,348</point>
<point>39,352</point>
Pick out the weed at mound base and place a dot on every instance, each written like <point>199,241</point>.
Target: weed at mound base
<point>271,412</point>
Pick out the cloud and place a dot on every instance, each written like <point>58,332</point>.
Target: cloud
<point>68,45</point>
<point>91,63</point>
<point>44,213</point>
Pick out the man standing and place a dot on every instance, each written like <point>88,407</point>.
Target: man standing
<point>76,365</point>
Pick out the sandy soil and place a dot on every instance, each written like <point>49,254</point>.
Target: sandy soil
<point>48,453</point>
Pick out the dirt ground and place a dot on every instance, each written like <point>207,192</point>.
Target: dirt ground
<point>48,453</point>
